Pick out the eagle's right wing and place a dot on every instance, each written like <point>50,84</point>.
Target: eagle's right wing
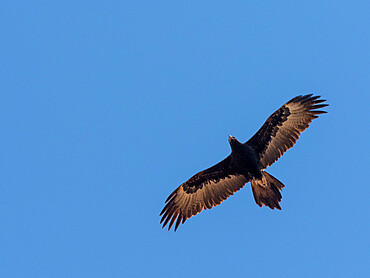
<point>204,190</point>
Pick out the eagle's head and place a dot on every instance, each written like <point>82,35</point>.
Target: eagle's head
<point>231,138</point>
<point>234,143</point>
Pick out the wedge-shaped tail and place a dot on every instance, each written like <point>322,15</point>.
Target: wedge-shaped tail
<point>266,191</point>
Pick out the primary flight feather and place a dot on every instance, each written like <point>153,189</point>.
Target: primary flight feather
<point>246,163</point>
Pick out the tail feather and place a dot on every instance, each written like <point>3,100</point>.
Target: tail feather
<point>266,191</point>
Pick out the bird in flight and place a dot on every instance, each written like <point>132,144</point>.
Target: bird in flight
<point>246,163</point>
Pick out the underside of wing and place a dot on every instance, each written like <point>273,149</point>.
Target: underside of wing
<point>283,128</point>
<point>203,191</point>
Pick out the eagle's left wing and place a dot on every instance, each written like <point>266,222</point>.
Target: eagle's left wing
<point>282,129</point>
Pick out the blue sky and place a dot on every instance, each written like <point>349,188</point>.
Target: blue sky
<point>107,107</point>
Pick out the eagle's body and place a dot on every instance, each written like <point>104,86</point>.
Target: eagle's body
<point>246,163</point>
<point>245,159</point>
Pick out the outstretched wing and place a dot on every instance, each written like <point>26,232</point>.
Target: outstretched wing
<point>203,191</point>
<point>282,129</point>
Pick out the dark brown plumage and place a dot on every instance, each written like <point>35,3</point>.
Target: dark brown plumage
<point>246,163</point>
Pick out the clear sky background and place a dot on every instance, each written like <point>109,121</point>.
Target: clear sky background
<point>107,106</point>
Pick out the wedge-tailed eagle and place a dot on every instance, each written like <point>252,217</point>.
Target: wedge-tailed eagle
<point>246,163</point>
